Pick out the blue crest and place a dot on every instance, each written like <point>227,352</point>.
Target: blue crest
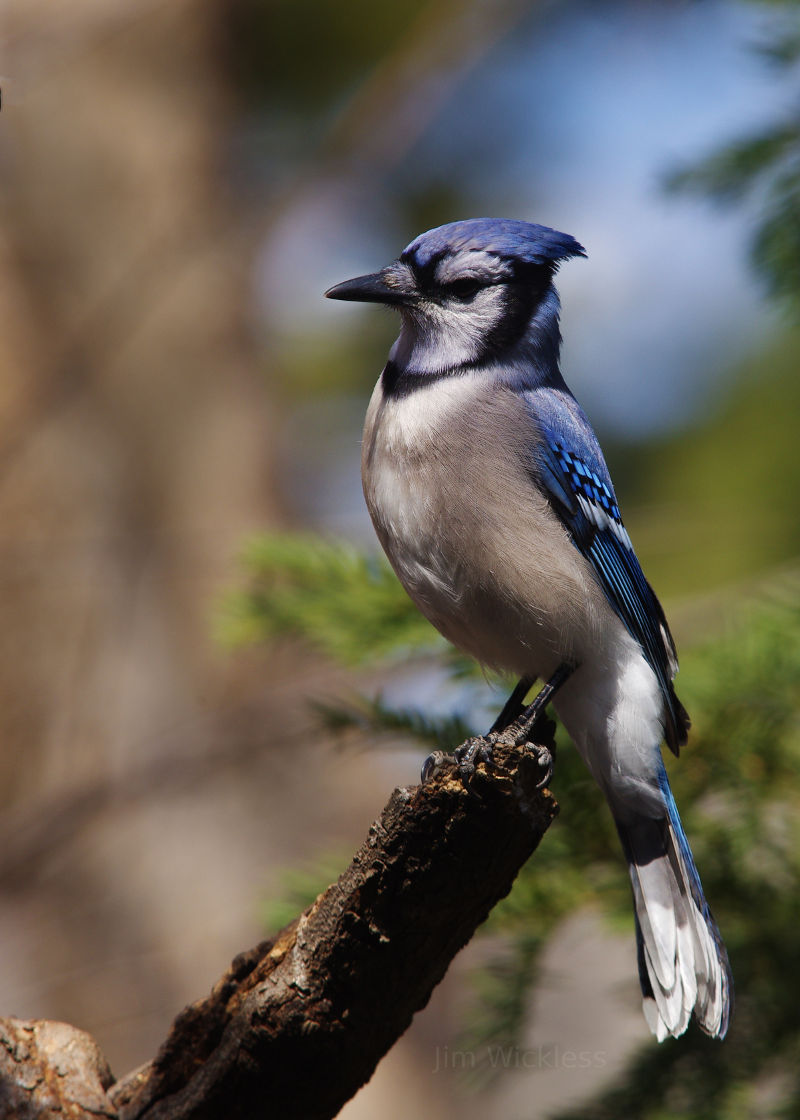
<point>515,240</point>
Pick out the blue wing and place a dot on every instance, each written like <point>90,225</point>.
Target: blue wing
<point>569,464</point>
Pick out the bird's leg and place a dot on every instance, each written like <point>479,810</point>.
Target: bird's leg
<point>514,706</point>
<point>524,725</point>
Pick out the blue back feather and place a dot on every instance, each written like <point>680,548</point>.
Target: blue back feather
<point>570,465</point>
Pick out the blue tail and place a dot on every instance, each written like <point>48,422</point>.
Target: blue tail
<point>683,964</point>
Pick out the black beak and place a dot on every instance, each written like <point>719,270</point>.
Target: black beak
<point>378,287</point>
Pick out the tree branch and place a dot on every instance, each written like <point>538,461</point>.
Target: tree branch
<point>299,1023</point>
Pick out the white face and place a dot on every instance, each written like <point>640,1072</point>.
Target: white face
<point>464,302</point>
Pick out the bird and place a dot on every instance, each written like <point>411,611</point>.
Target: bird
<point>491,498</point>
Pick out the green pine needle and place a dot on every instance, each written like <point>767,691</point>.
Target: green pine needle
<point>346,603</point>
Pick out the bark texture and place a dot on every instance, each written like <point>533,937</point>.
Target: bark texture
<point>298,1024</point>
<point>51,1069</point>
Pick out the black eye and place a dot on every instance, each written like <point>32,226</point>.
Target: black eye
<point>465,289</point>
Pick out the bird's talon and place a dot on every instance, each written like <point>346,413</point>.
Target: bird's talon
<point>546,762</point>
<point>433,764</point>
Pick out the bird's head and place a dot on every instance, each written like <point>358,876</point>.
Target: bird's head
<point>468,290</point>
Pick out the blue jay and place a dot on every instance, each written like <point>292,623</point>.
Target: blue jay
<point>491,498</point>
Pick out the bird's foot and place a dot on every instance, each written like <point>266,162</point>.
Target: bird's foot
<point>480,749</point>
<point>467,758</point>
<point>472,752</point>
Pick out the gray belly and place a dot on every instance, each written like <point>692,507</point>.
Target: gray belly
<point>476,546</point>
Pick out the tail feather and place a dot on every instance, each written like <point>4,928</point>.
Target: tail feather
<point>683,965</point>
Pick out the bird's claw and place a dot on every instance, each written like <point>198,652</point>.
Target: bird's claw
<point>546,762</point>
<point>467,757</point>
<point>433,764</point>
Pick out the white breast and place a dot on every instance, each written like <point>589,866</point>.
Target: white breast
<point>403,443</point>
<point>404,439</point>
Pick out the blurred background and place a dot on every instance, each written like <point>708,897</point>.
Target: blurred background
<point>188,738</point>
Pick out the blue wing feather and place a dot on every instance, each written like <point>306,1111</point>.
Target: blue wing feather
<point>570,466</point>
